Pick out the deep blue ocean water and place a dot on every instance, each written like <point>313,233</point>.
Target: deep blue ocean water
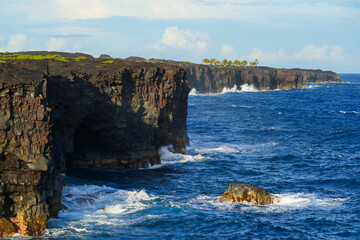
<point>302,145</point>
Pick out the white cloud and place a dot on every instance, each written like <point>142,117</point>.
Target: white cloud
<point>16,43</point>
<point>228,51</point>
<point>311,55</point>
<point>56,44</point>
<point>181,9</point>
<point>173,37</point>
<point>313,52</point>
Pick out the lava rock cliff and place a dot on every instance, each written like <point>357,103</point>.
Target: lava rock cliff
<point>86,113</point>
<point>213,79</point>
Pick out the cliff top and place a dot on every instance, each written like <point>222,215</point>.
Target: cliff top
<point>24,66</point>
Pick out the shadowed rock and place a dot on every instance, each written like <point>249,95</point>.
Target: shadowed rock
<point>83,112</point>
<point>240,192</point>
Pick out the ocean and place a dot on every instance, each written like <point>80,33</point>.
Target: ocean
<point>302,145</point>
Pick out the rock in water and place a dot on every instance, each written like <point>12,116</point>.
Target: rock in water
<point>240,192</point>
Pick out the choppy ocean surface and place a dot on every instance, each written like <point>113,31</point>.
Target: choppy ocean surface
<point>302,145</point>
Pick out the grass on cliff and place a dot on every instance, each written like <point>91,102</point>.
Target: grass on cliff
<point>18,56</point>
<point>108,61</point>
<point>79,58</point>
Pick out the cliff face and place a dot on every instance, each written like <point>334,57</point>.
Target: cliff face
<point>85,113</point>
<point>209,79</point>
<point>318,76</point>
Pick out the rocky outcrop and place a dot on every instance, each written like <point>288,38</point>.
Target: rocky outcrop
<point>240,192</point>
<point>318,76</point>
<point>83,112</point>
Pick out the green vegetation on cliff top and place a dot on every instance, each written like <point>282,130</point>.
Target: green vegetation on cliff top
<point>108,61</point>
<point>229,63</point>
<point>19,56</point>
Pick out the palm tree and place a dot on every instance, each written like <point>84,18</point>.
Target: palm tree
<point>237,63</point>
<point>206,61</point>
<point>230,63</point>
<point>212,61</point>
<point>256,62</point>
<point>224,62</point>
<point>244,63</point>
<point>217,63</point>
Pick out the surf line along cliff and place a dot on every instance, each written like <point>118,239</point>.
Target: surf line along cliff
<point>82,112</point>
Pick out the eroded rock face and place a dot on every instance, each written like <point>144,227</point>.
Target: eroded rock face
<point>83,113</point>
<point>211,79</point>
<point>240,192</point>
<point>318,76</point>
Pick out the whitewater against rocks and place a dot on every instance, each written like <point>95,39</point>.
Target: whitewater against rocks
<point>73,110</point>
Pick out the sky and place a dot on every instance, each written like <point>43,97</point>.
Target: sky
<point>311,34</point>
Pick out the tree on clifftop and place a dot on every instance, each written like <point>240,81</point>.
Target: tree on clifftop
<point>244,63</point>
<point>254,63</point>
<point>206,61</point>
<point>237,63</point>
<point>224,62</point>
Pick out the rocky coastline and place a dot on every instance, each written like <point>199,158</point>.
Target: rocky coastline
<point>66,111</point>
<point>214,79</point>
<point>62,110</point>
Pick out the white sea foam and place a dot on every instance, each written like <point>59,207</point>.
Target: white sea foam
<point>248,88</point>
<point>133,203</point>
<point>233,89</point>
<point>349,112</point>
<point>91,198</point>
<point>288,202</point>
<point>222,149</point>
<point>298,201</point>
<point>243,88</point>
<point>236,106</point>
<point>167,157</point>
<point>233,148</point>
<point>313,86</point>
<point>193,92</point>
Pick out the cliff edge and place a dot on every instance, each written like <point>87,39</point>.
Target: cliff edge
<point>62,110</point>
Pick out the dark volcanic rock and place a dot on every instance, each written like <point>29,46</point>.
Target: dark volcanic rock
<point>318,76</point>
<point>86,113</point>
<point>213,79</point>
<point>240,192</point>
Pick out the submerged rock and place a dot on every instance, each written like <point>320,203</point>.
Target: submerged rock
<point>240,192</point>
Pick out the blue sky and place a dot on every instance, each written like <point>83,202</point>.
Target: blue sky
<point>316,34</point>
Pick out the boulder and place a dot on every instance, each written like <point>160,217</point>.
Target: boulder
<point>240,192</point>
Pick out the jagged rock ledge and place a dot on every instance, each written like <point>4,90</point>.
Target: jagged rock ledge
<point>72,109</point>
